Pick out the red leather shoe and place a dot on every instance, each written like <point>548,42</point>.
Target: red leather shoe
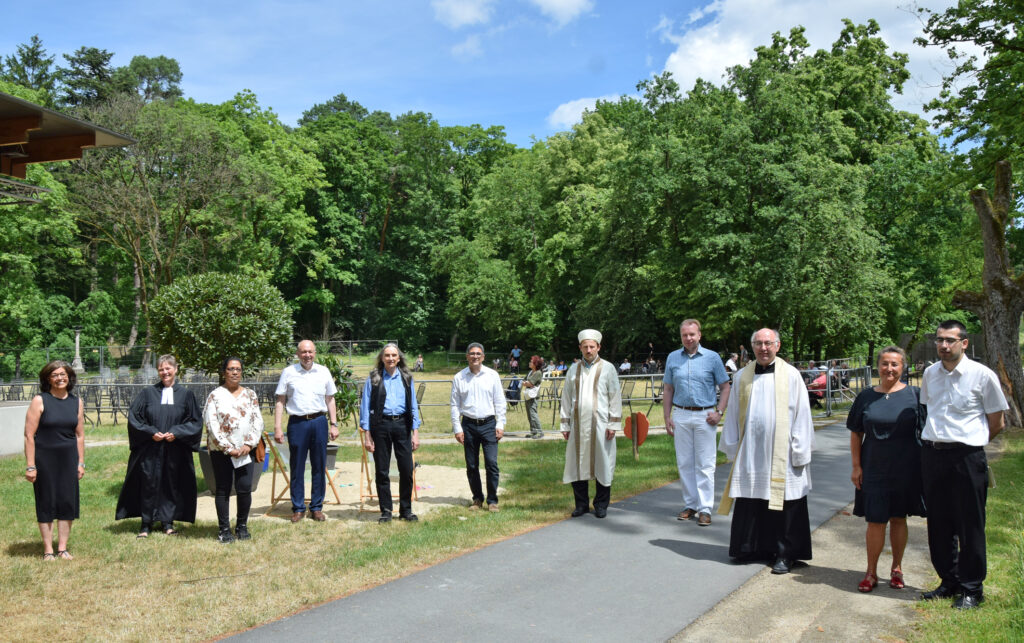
<point>896,579</point>
<point>869,583</point>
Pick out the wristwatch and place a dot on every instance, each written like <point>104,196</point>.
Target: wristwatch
<point>29,469</point>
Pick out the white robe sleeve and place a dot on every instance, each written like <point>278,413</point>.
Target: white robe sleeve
<point>730,441</point>
<point>801,435</point>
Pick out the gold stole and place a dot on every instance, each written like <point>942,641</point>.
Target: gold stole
<point>780,446</point>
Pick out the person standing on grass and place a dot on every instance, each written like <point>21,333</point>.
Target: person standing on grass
<point>591,413</point>
<point>531,389</point>
<point>55,455</point>
<point>965,411</point>
<point>692,413</point>
<point>307,391</point>
<point>478,420</point>
<point>390,420</point>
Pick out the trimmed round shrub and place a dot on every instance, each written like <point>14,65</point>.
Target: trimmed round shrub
<point>202,319</point>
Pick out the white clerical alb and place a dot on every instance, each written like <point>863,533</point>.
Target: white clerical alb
<point>591,404</point>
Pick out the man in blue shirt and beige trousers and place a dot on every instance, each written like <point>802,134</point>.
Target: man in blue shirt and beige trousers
<point>692,414</point>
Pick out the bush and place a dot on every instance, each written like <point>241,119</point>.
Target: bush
<point>204,318</point>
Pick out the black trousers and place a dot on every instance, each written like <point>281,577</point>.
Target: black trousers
<point>955,486</point>
<point>225,473</point>
<point>759,532</point>
<point>581,493</point>
<point>476,436</point>
<point>388,436</point>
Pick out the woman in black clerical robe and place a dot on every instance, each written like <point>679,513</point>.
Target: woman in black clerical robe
<point>165,426</point>
<point>884,422</point>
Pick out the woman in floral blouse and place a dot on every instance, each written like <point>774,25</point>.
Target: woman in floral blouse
<point>234,425</point>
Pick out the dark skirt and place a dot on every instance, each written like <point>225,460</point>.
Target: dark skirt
<point>56,485</point>
<point>760,533</point>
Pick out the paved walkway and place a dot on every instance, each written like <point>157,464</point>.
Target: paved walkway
<point>638,575</point>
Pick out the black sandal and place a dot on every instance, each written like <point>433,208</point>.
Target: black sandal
<point>63,554</point>
<point>49,556</point>
<point>143,533</point>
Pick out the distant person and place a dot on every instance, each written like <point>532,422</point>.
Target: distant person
<point>744,356</point>
<point>165,426</point>
<point>234,426</point>
<point>531,388</point>
<point>478,420</point>
<point>516,353</point>
<point>513,366</point>
<point>884,422</point>
<point>771,450</point>
<point>549,366</point>
<point>306,390</point>
<point>591,412</point>
<point>625,366</point>
<point>419,364</point>
<point>731,364</point>
<point>965,411</point>
<point>55,455</point>
<point>389,419</point>
<point>694,380</point>
<point>561,367</point>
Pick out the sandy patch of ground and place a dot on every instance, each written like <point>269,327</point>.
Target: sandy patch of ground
<point>436,487</point>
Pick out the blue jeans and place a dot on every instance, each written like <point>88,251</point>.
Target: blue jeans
<point>475,436</point>
<point>307,437</point>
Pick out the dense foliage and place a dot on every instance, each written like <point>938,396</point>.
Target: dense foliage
<point>792,195</point>
<point>205,318</point>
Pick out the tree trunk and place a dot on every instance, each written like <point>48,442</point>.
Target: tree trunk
<point>133,335</point>
<point>453,342</point>
<point>1000,304</point>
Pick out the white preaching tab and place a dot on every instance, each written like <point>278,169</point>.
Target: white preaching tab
<point>167,397</point>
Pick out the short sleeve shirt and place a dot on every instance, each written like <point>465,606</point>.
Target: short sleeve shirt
<point>694,379</point>
<point>958,402</point>
<point>306,390</point>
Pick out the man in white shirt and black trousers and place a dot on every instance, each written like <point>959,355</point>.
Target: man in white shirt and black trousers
<point>478,419</point>
<point>965,410</point>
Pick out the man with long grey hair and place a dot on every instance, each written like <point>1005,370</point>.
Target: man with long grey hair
<point>389,418</point>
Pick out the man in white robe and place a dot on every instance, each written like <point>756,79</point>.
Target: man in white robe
<point>771,520</point>
<point>591,414</point>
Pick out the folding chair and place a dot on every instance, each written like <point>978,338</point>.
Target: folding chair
<point>279,465</point>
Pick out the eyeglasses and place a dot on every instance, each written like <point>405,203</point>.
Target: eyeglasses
<point>948,341</point>
<point>765,344</point>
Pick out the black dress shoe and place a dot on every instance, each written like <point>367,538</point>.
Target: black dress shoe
<point>410,517</point>
<point>600,512</point>
<point>782,566</point>
<point>942,591</point>
<point>242,532</point>
<point>384,518</point>
<point>578,511</point>
<point>968,601</point>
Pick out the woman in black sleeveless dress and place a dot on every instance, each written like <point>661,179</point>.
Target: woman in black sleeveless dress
<point>55,454</point>
<point>884,423</point>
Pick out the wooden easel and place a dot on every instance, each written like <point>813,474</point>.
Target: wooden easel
<point>277,467</point>
<point>367,474</point>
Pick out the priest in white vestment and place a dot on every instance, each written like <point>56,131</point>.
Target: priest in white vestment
<point>769,435</point>
<point>591,414</point>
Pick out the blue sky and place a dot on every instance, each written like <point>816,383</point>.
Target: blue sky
<point>531,66</point>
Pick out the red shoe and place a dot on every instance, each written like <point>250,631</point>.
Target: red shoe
<point>896,579</point>
<point>869,583</point>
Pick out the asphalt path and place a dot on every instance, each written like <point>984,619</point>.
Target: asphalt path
<point>637,575</point>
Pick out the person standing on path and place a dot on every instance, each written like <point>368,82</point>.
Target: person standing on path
<point>965,411</point>
<point>306,390</point>
<point>692,413</point>
<point>769,436</point>
<point>478,420</point>
<point>531,389</point>
<point>390,420</point>
<point>591,413</point>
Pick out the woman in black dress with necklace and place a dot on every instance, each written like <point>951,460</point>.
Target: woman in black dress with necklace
<point>55,455</point>
<point>884,423</point>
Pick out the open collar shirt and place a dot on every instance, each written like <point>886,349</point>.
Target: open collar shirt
<point>958,402</point>
<point>306,390</point>
<point>477,397</point>
<point>695,378</point>
<point>394,400</point>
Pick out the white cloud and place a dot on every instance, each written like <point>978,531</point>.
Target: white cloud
<point>459,13</point>
<point>568,114</point>
<point>563,11</point>
<point>468,48</point>
<point>731,30</point>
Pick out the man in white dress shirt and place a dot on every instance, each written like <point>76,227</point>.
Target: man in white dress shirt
<point>478,420</point>
<point>965,410</point>
<point>769,435</point>
<point>307,391</point>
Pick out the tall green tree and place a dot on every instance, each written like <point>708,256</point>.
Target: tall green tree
<point>31,67</point>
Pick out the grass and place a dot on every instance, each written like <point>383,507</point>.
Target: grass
<point>192,587</point>
<point>1001,617</point>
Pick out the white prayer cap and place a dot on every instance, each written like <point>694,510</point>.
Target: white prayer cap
<point>589,333</point>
